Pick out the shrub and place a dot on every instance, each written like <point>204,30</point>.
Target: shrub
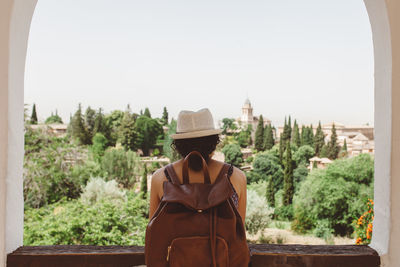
<point>363,226</point>
<point>97,189</point>
<point>258,214</point>
<point>334,195</point>
<point>233,154</point>
<point>74,223</point>
<point>122,166</point>
<point>266,165</point>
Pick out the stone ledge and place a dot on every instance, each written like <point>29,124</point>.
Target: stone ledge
<point>262,255</point>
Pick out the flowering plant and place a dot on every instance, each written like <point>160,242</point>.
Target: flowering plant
<point>363,226</point>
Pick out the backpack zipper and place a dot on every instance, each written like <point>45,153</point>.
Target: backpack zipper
<point>169,249</point>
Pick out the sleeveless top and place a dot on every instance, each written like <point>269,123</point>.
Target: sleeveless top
<point>234,195</point>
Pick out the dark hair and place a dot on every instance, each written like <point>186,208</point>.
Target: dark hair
<point>205,145</point>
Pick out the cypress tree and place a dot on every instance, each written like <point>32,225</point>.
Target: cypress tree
<point>324,151</point>
<point>270,194</point>
<point>319,139</point>
<point>289,130</point>
<point>281,149</point>
<point>285,134</point>
<point>34,119</point>
<point>143,185</point>
<point>147,112</point>
<point>333,147</point>
<point>259,136</point>
<point>303,135</point>
<point>78,127</point>
<point>90,116</point>
<point>165,116</point>
<point>269,141</point>
<point>344,145</point>
<point>288,186</point>
<point>296,135</point>
<point>126,131</point>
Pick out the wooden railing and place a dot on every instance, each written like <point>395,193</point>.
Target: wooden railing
<point>128,256</point>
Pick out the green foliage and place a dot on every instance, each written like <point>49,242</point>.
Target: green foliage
<point>333,147</point>
<point>90,117</point>
<point>122,166</point>
<point>233,155</point>
<point>335,195</point>
<point>79,131</point>
<point>228,124</point>
<point>104,222</point>
<point>148,131</point>
<point>259,135</point>
<point>303,155</point>
<point>307,136</point>
<point>319,140</point>
<point>164,118</point>
<point>127,132</point>
<point>270,194</point>
<point>258,214</point>
<point>269,141</point>
<point>143,183</point>
<point>97,190</point>
<point>147,112</point>
<point>363,226</point>
<point>99,142</point>
<point>113,122</point>
<point>49,172</point>
<point>296,135</point>
<point>167,149</point>
<point>34,119</point>
<point>243,138</point>
<point>288,185</point>
<point>284,212</point>
<point>54,118</point>
<point>265,166</point>
<point>299,175</point>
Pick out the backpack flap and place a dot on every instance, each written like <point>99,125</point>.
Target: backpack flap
<point>198,196</point>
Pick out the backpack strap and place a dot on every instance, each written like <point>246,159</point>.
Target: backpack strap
<point>171,174</point>
<point>226,169</point>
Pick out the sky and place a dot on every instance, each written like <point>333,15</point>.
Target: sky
<point>310,59</point>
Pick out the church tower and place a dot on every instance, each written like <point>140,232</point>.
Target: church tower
<point>247,112</point>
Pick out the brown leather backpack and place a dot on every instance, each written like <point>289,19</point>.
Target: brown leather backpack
<point>196,224</point>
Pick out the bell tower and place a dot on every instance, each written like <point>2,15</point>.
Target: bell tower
<point>247,112</point>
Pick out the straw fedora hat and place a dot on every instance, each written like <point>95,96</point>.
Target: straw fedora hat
<point>192,124</point>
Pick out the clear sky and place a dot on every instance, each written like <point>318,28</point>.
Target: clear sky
<point>312,59</point>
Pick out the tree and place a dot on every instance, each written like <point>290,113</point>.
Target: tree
<point>303,135</point>
<point>343,152</point>
<point>243,138</point>
<point>324,151</point>
<point>143,185</point>
<point>319,139</point>
<point>259,136</point>
<point>165,116</point>
<point>266,166</point>
<point>333,147</point>
<point>99,143</point>
<point>113,122</point>
<point>281,149</point>
<point>100,125</point>
<point>307,136</point>
<point>127,132</point>
<point>233,155</point>
<point>296,135</point>
<point>228,124</point>
<point>288,186</point>
<point>270,195</point>
<point>54,118</point>
<point>34,119</point>
<point>303,155</point>
<point>269,141</point>
<point>148,131</point>
<point>79,130</point>
<point>167,149</point>
<point>147,112</point>
<point>90,116</point>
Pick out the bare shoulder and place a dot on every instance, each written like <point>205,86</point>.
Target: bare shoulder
<point>239,180</point>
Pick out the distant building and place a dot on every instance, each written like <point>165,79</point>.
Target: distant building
<point>248,118</point>
<point>320,162</point>
<point>59,130</point>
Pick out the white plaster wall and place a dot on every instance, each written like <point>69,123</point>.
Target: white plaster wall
<point>5,13</point>
<point>382,120</point>
<point>21,18</point>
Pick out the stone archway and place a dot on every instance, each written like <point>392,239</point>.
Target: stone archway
<point>15,20</point>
